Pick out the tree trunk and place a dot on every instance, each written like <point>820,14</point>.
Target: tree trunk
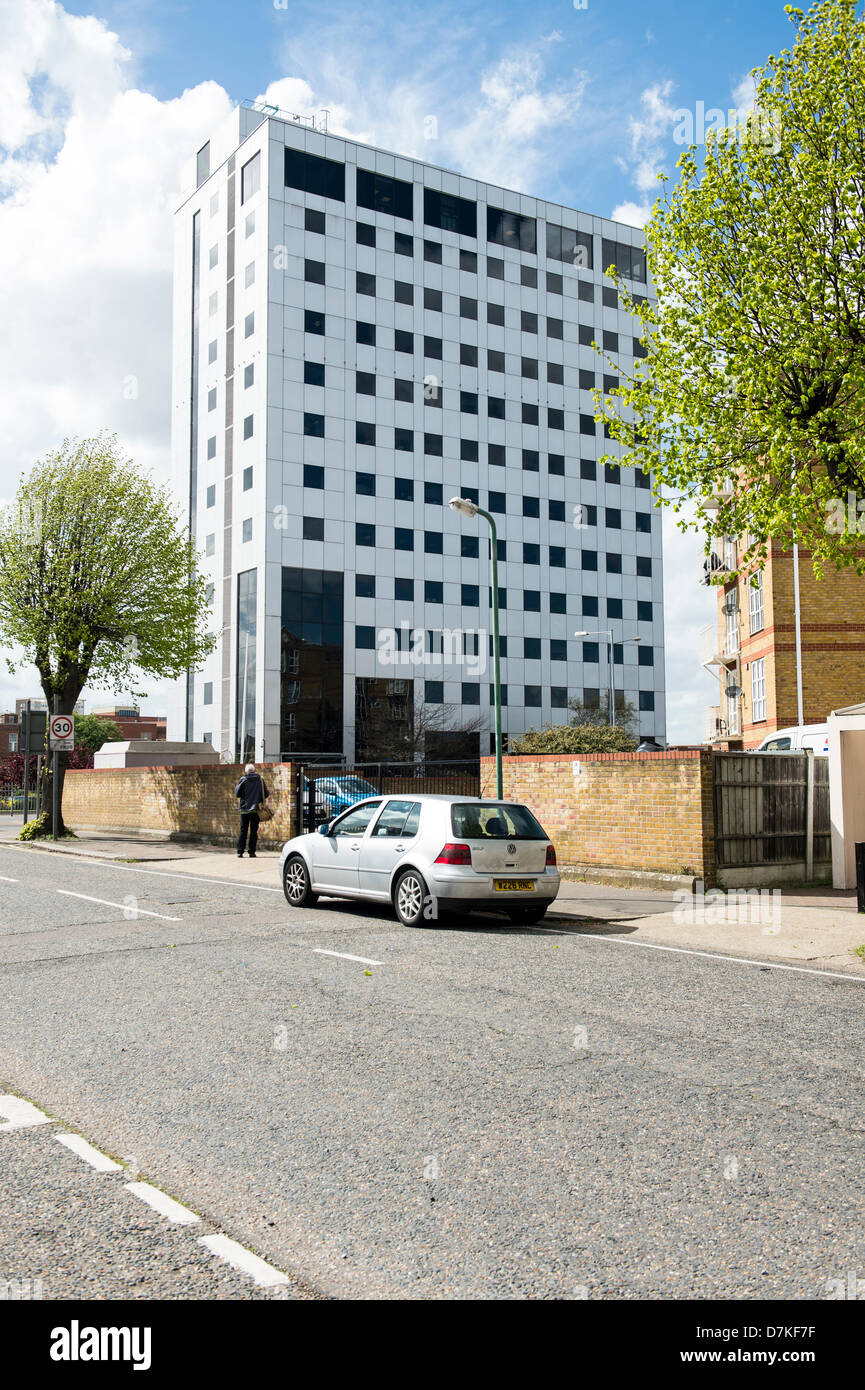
<point>42,826</point>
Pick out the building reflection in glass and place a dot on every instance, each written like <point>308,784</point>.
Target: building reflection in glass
<point>311,668</point>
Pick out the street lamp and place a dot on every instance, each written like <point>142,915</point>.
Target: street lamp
<point>466,507</point>
<point>608,633</point>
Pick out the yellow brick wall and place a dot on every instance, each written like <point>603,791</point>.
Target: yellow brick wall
<point>182,801</point>
<point>639,811</point>
<point>636,811</point>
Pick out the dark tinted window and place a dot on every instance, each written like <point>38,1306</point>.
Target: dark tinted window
<point>565,244</point>
<point>384,194</point>
<point>312,174</point>
<point>510,229</point>
<point>478,821</point>
<point>450,213</point>
<point>628,260</point>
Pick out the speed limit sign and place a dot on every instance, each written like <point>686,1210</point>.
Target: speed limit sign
<point>62,733</point>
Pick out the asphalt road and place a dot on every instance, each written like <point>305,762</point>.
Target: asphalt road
<point>469,1110</point>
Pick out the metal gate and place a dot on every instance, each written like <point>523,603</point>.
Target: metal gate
<point>771,808</point>
<point>324,792</point>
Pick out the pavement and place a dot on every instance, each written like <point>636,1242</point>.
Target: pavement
<point>468,1110</point>
<point>811,927</point>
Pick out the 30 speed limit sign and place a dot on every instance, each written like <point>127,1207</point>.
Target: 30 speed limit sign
<point>62,734</point>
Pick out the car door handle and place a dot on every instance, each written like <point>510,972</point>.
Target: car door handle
<point>399,848</point>
<point>356,849</point>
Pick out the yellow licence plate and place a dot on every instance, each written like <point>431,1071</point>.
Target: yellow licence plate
<point>513,885</point>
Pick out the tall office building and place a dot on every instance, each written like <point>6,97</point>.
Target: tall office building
<point>358,338</point>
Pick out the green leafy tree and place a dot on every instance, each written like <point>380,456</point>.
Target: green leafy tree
<point>752,390</point>
<point>570,738</point>
<point>98,579</point>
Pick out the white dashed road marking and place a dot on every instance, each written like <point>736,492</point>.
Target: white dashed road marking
<point>319,951</point>
<point>124,907</point>
<point>8,880</point>
<point>166,1206</point>
<point>265,1275</point>
<point>20,1113</point>
<point>98,1160</point>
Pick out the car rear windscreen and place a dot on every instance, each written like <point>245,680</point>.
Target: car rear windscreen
<point>473,821</point>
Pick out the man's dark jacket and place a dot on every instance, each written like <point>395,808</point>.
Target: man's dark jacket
<point>252,791</point>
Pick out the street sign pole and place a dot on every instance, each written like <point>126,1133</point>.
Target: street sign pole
<point>55,798</point>
<point>25,745</point>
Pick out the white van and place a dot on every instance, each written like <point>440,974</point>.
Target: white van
<point>797,740</point>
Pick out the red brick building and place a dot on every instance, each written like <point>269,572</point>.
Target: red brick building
<point>132,722</point>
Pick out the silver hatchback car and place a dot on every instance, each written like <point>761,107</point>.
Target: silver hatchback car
<point>419,852</point>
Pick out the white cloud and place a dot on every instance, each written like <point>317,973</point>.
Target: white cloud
<point>90,176</point>
<point>633,214</point>
<point>648,145</point>
<point>512,131</point>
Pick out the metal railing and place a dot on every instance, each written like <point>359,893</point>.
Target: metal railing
<point>12,801</point>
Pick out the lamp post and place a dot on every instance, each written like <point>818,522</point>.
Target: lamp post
<point>466,507</point>
<point>608,633</point>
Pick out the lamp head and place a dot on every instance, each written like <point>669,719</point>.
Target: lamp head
<point>464,506</point>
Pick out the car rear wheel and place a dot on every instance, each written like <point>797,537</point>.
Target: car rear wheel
<point>296,883</point>
<point>410,898</point>
<point>524,916</point>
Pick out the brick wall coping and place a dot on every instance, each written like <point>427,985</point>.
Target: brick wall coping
<point>176,767</point>
<point>665,755</point>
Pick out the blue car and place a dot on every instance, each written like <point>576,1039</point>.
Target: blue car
<point>335,794</point>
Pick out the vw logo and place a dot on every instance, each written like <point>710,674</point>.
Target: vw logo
<point>512,849</point>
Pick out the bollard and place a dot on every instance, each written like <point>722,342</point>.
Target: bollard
<point>860,875</point>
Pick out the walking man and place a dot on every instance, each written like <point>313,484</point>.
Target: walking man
<point>252,792</point>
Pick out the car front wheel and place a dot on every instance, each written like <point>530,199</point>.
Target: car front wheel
<point>410,898</point>
<point>296,883</point>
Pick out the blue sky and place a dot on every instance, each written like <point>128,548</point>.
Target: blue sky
<point>613,50</point>
<point>103,103</point>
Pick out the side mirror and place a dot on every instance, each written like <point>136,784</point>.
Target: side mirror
<point>324,829</point>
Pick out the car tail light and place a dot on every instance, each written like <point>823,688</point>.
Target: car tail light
<point>455,854</point>
<point>551,856</point>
